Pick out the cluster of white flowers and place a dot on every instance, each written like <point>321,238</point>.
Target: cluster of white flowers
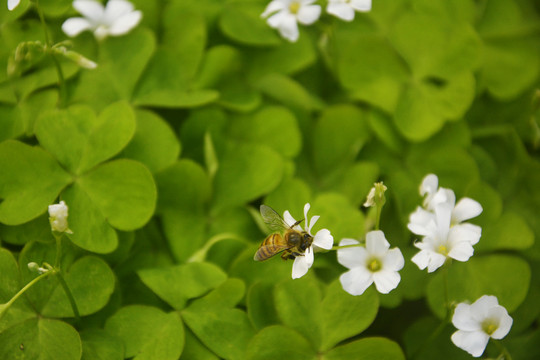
<point>285,15</point>
<point>441,223</point>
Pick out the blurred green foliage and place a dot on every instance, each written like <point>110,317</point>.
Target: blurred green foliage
<point>165,150</point>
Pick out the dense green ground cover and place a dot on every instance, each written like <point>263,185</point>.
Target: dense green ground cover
<point>201,113</point>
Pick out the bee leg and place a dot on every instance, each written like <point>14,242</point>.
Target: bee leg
<point>295,254</point>
<point>286,255</point>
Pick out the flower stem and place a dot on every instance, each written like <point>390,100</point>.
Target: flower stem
<point>49,45</point>
<point>69,295</point>
<point>378,217</point>
<point>201,254</point>
<point>446,292</point>
<point>7,305</point>
<point>58,238</point>
<point>336,247</point>
<point>504,352</point>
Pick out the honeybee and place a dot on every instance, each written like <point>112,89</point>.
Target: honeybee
<point>285,238</point>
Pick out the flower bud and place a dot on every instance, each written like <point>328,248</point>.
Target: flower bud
<point>58,214</point>
<point>376,195</point>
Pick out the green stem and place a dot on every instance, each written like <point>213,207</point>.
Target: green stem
<point>57,259</point>
<point>504,352</point>
<point>49,45</point>
<point>378,218</point>
<point>337,247</point>
<point>7,305</point>
<point>201,254</point>
<point>69,295</point>
<point>446,292</point>
<point>430,339</point>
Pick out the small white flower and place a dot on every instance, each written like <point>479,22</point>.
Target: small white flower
<point>478,322</point>
<point>58,214</point>
<point>12,4</point>
<point>322,240</point>
<point>284,15</point>
<point>441,241</point>
<point>345,9</point>
<point>376,263</point>
<point>117,18</point>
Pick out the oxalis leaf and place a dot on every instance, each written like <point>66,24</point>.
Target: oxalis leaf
<point>119,194</point>
<point>31,180</point>
<point>80,140</point>
<point>486,275</point>
<point>91,282</point>
<point>224,330</point>
<point>147,332</point>
<point>40,338</point>
<point>179,283</point>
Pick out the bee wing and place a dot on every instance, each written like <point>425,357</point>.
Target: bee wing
<point>272,219</point>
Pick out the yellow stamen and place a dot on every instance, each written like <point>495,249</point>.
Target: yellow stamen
<point>442,250</point>
<point>489,326</point>
<point>374,265</point>
<point>294,7</point>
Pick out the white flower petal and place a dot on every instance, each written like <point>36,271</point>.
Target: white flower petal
<point>463,319</point>
<point>465,232</point>
<point>480,308</point>
<point>306,210</point>
<point>307,15</point>
<point>273,7</point>
<point>505,322</point>
<point>466,209</point>
<point>461,251</point>
<point>394,260</point>
<point>312,222</point>
<point>474,342</point>
<point>287,217</point>
<point>429,184</point>
<point>12,4</point>
<point>125,23</point>
<point>74,26</point>
<point>356,281</point>
<point>376,243</point>
<point>91,9</point>
<point>386,280</point>
<point>443,216</point>
<point>421,259</point>
<point>442,196</point>
<point>116,9</point>
<point>323,239</point>
<point>353,256</point>
<point>302,264</point>
<point>421,217</point>
<point>361,5</point>
<point>342,11</point>
<point>437,260</point>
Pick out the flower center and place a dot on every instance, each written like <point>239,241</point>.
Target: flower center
<point>374,265</point>
<point>489,326</point>
<point>442,249</point>
<point>294,7</point>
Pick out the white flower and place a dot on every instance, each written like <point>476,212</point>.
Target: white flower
<point>116,19</point>
<point>465,209</point>
<point>12,4</point>
<point>441,241</point>
<point>284,15</point>
<point>478,322</point>
<point>344,9</point>
<point>376,263</point>
<point>58,214</point>
<point>323,240</point>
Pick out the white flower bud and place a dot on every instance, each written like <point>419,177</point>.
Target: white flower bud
<point>58,214</point>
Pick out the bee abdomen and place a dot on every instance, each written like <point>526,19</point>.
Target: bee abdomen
<point>272,245</point>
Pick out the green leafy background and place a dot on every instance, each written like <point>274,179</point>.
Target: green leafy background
<point>201,113</point>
